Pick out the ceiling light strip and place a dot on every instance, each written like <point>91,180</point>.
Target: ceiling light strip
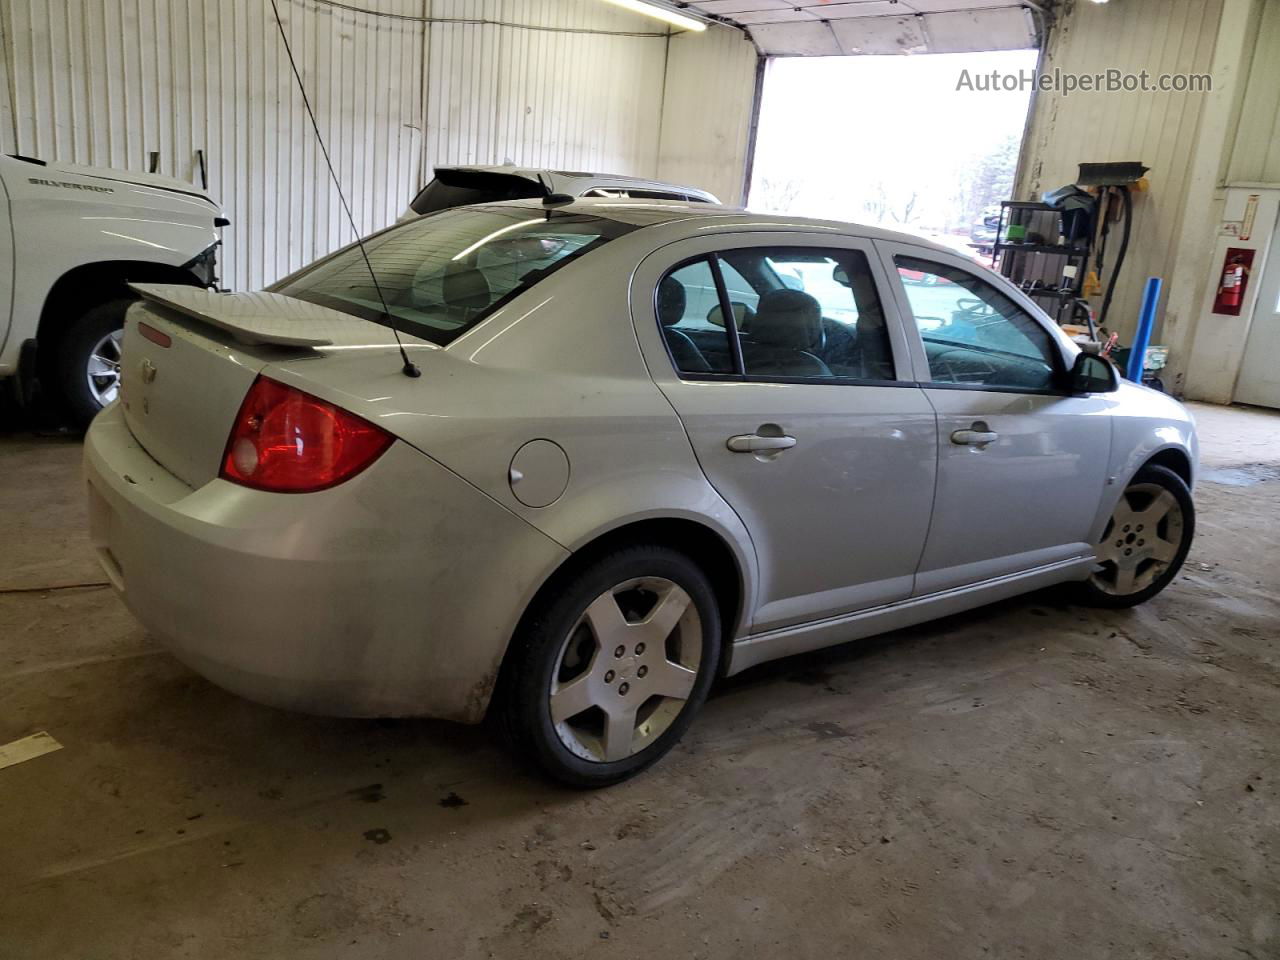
<point>660,12</point>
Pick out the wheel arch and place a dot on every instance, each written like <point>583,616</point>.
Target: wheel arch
<point>89,284</point>
<point>702,544</point>
<point>707,547</point>
<point>1172,458</point>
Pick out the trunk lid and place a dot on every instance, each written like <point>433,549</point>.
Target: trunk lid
<point>190,356</point>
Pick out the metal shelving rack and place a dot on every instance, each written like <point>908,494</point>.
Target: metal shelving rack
<point>1040,268</point>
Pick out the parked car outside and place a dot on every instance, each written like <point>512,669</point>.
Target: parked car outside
<point>460,186</point>
<point>599,496</point>
<point>71,240</point>
<point>921,276</point>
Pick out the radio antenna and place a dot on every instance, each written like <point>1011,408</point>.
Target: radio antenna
<point>410,368</point>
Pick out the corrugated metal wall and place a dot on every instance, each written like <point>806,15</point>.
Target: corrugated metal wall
<point>398,87</point>
<point>1255,155</point>
<point>106,82</point>
<point>706,117</point>
<point>1159,129</point>
<point>578,85</point>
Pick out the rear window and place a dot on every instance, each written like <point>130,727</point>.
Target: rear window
<point>445,273</point>
<point>460,188</point>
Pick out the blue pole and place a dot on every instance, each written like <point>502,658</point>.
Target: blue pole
<point>1146,320</point>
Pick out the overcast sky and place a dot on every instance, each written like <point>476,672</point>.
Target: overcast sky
<point>841,126</point>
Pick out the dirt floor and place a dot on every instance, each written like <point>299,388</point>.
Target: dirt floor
<point>1030,780</point>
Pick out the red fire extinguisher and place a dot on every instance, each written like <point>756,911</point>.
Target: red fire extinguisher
<point>1232,284</point>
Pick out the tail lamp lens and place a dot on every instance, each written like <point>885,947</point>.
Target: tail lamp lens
<point>287,441</point>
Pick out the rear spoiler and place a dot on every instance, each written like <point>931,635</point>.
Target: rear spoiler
<point>252,318</point>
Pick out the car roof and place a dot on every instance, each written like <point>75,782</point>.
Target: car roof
<point>648,213</point>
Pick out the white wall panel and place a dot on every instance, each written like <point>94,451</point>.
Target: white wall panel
<point>397,85</point>
<point>8,128</point>
<point>1255,156</point>
<point>575,84</point>
<point>1159,129</point>
<point>706,111</point>
<point>107,82</point>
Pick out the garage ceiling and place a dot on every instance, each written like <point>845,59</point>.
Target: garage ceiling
<point>823,28</point>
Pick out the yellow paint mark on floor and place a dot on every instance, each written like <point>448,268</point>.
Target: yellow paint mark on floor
<point>28,748</point>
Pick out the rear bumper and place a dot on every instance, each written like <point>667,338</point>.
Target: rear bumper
<point>394,594</point>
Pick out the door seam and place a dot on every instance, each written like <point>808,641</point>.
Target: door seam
<point>937,479</point>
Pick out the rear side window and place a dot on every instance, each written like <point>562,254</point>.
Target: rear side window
<point>973,334</point>
<point>687,306</point>
<point>820,315</point>
<point>798,313</point>
<point>460,188</point>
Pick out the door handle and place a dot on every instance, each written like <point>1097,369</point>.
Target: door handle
<point>978,436</point>
<point>754,443</point>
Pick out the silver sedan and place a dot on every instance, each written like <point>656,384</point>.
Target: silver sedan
<point>571,463</point>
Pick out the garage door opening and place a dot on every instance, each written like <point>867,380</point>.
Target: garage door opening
<point>907,143</point>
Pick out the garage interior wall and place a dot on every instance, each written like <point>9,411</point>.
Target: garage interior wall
<point>1208,152</point>
<point>1246,167</point>
<point>1255,148</point>
<point>398,87</point>
<point>707,111</point>
<point>1158,129</point>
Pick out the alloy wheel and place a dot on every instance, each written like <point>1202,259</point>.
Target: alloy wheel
<point>103,368</point>
<point>1141,540</point>
<point>626,669</point>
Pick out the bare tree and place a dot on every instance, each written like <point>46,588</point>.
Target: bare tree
<point>907,207</point>
<point>883,206</point>
<point>776,195</point>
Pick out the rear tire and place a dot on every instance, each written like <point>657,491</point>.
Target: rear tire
<point>85,367</point>
<point>1145,541</point>
<point>611,665</point>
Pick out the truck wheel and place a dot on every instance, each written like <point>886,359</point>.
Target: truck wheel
<point>86,362</point>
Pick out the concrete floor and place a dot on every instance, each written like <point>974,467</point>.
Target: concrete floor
<point>1031,780</point>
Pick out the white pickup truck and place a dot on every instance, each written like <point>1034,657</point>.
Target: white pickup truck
<point>71,240</point>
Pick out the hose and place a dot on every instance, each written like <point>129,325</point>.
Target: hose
<point>1124,246</point>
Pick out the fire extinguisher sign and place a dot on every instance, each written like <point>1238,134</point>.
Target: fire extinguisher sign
<point>1233,281</point>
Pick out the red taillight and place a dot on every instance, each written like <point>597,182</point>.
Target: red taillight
<point>287,441</point>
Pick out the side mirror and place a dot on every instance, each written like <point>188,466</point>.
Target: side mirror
<point>1092,374</point>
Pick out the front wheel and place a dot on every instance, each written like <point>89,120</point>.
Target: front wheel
<point>610,670</point>
<point>87,360</point>
<point>1145,541</point>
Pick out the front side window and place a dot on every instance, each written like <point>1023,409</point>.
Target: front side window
<point>798,312</point>
<point>973,334</point>
<point>444,273</point>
